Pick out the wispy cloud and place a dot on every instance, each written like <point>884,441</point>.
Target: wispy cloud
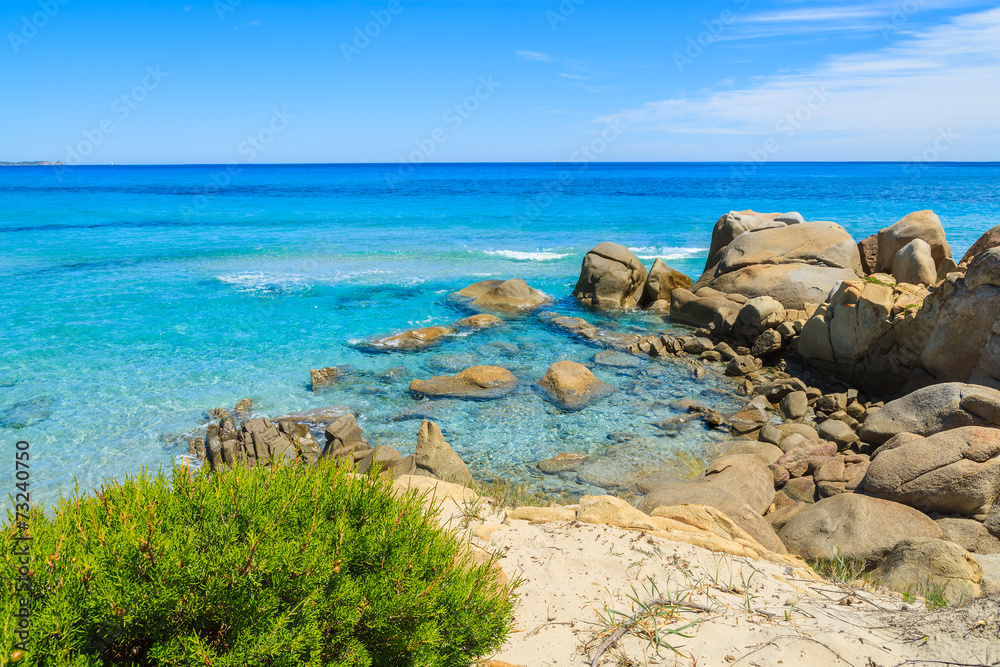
<point>533,55</point>
<point>573,76</point>
<point>948,74</point>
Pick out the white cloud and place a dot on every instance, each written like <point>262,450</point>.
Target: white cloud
<point>573,76</point>
<point>944,76</point>
<point>533,55</point>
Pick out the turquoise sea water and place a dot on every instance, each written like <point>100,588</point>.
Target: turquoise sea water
<point>137,298</point>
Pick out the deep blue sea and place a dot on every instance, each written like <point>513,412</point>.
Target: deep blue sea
<point>137,298</point>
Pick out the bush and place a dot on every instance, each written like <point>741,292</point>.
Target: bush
<point>250,567</point>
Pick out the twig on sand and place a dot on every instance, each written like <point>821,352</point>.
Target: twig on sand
<point>803,638</point>
<point>918,661</point>
<point>628,623</point>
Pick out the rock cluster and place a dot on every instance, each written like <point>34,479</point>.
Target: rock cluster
<point>612,277</point>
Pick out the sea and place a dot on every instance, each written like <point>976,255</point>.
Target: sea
<point>138,298</point>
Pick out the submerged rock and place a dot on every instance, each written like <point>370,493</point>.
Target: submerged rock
<point>572,386</point>
<point>414,339</point>
<point>565,462</point>
<point>477,382</point>
<point>323,377</point>
<point>480,321</point>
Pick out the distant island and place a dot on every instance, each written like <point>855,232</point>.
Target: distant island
<point>31,164</point>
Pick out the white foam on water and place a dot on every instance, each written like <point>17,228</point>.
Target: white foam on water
<point>539,256</point>
<point>264,284</point>
<point>667,252</point>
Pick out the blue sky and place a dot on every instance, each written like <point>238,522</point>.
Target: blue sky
<point>217,81</point>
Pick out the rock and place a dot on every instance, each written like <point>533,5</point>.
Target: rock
<point>793,218</point>
<point>385,460</point>
<point>706,307</point>
<point>796,265</point>
<point>731,225</point>
<point>661,281</point>
<point>414,339</point>
<point>323,377</point>
<point>783,515</point>
<point>607,510</point>
<point>796,461</point>
<point>243,407</point>
<point>565,462</point>
<point>764,451</point>
<point>475,382</point>
<point>969,534</point>
<point>806,431</point>
<point>611,277</point>
<point>840,474</point>
<point>435,458</point>
<point>768,342</point>
<point>990,585</point>
<point>503,295</point>
<point>794,405</point>
<point>343,432</point>
<point>480,321</point>
<point>914,264</point>
<point>746,477</point>
<point>800,489</point>
<point>988,241</point>
<point>698,345</point>
<point>617,359</point>
<point>790,442</point>
<point>769,433</point>
<point>923,225</point>
<point>837,431</point>
<point>850,525</point>
<point>922,565</point>
<point>868,249</point>
<point>984,269</point>
<point>933,409</point>
<point>742,365</point>
<point>953,472</point>
<point>259,441</point>
<point>540,514</point>
<point>691,493</point>
<point>759,315</point>
<point>308,450</point>
<point>572,386</point>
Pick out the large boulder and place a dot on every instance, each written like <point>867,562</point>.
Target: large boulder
<point>476,382</point>
<point>731,225</point>
<point>572,386</point>
<point>695,493</point>
<point>798,264</point>
<point>661,282</point>
<point>933,409</point>
<point>923,225</point>
<point>611,277</point>
<point>914,264</point>
<point>504,295</point>
<point>746,477</point>
<point>851,525</point>
<point>922,565</point>
<point>434,457</point>
<point>989,240</point>
<point>705,307</point>
<point>953,472</point>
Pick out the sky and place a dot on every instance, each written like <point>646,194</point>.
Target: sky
<point>251,81</point>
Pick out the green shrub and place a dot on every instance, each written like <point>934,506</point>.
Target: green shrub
<point>251,567</point>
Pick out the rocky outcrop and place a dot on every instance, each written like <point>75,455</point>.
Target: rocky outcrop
<point>480,321</point>
<point>572,386</point>
<point>255,441</point>
<point>933,409</point>
<point>503,295</point>
<point>475,382</point>
<point>922,565</point>
<point>953,472</point>
<point>731,225</point>
<point>854,526</point>
<point>922,225</point>
<point>796,264</point>
<point>661,282</point>
<point>434,457</point>
<point>611,277</point>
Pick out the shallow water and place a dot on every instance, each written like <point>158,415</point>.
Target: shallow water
<point>137,298</point>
